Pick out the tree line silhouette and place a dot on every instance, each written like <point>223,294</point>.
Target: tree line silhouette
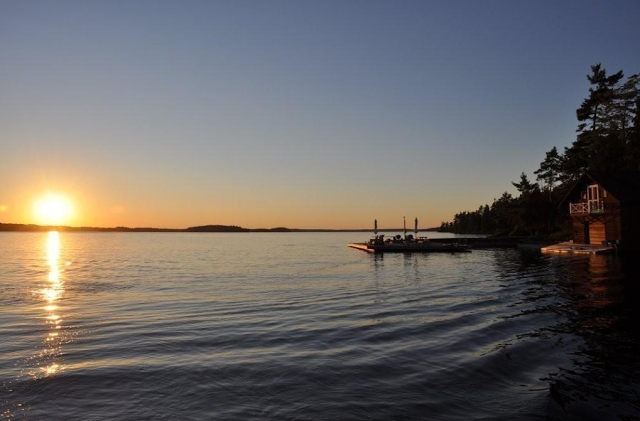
<point>607,141</point>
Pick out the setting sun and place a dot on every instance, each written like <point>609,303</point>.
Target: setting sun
<point>53,209</point>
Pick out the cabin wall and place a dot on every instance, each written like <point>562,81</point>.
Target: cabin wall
<point>601,228</point>
<point>596,232</point>
<point>578,231</point>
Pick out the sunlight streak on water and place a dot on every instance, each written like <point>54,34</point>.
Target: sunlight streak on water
<point>54,289</point>
<point>51,294</point>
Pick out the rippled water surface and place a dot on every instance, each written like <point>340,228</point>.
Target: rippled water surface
<point>296,326</point>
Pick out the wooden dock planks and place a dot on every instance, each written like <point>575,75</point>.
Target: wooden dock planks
<point>575,248</point>
<point>361,246</point>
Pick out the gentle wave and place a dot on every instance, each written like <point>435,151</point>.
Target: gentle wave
<point>298,327</point>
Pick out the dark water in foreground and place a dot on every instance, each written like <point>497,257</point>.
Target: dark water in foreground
<point>299,327</point>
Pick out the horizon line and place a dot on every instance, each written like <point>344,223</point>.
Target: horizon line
<point>9,227</point>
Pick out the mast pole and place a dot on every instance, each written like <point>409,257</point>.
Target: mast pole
<point>404,219</point>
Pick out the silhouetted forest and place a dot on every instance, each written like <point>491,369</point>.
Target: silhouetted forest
<point>607,141</point>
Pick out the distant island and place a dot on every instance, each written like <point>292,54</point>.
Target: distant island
<point>202,228</point>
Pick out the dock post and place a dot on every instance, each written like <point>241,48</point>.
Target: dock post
<point>404,219</point>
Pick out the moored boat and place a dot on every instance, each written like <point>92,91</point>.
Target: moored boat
<point>406,244</point>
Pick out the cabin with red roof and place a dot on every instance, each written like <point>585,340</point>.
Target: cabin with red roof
<point>605,209</point>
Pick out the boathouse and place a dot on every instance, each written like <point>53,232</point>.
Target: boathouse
<point>605,209</point>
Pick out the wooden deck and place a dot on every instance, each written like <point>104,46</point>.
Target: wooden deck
<point>361,246</point>
<point>576,248</point>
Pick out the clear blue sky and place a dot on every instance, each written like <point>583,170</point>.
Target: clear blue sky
<point>296,113</point>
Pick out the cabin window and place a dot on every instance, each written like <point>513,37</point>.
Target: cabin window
<point>603,193</point>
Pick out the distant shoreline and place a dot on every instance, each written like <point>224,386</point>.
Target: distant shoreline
<point>204,228</point>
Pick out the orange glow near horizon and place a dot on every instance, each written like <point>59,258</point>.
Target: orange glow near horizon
<point>78,202</point>
<point>95,199</point>
<point>53,209</point>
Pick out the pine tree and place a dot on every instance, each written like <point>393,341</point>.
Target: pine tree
<point>597,146</point>
<point>525,187</point>
<point>601,92</point>
<point>550,169</point>
<point>620,111</point>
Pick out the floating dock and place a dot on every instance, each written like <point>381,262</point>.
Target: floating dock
<point>410,248</point>
<point>576,248</point>
<point>480,242</point>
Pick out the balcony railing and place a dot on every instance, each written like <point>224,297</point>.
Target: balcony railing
<point>586,207</point>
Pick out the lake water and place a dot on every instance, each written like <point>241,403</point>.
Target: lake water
<point>296,326</point>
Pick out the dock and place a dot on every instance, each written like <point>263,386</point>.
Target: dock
<point>410,248</point>
<point>576,248</point>
<point>411,243</point>
<point>481,242</point>
<point>361,246</point>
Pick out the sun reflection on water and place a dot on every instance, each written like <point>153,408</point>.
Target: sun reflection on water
<point>51,294</point>
<point>54,290</point>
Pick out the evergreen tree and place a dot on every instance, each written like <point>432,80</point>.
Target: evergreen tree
<point>501,210</point>
<point>600,93</point>
<point>604,117</point>
<point>550,169</point>
<point>525,187</point>
<point>621,110</point>
<point>574,161</point>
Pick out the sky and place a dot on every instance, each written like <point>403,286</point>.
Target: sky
<point>306,114</point>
